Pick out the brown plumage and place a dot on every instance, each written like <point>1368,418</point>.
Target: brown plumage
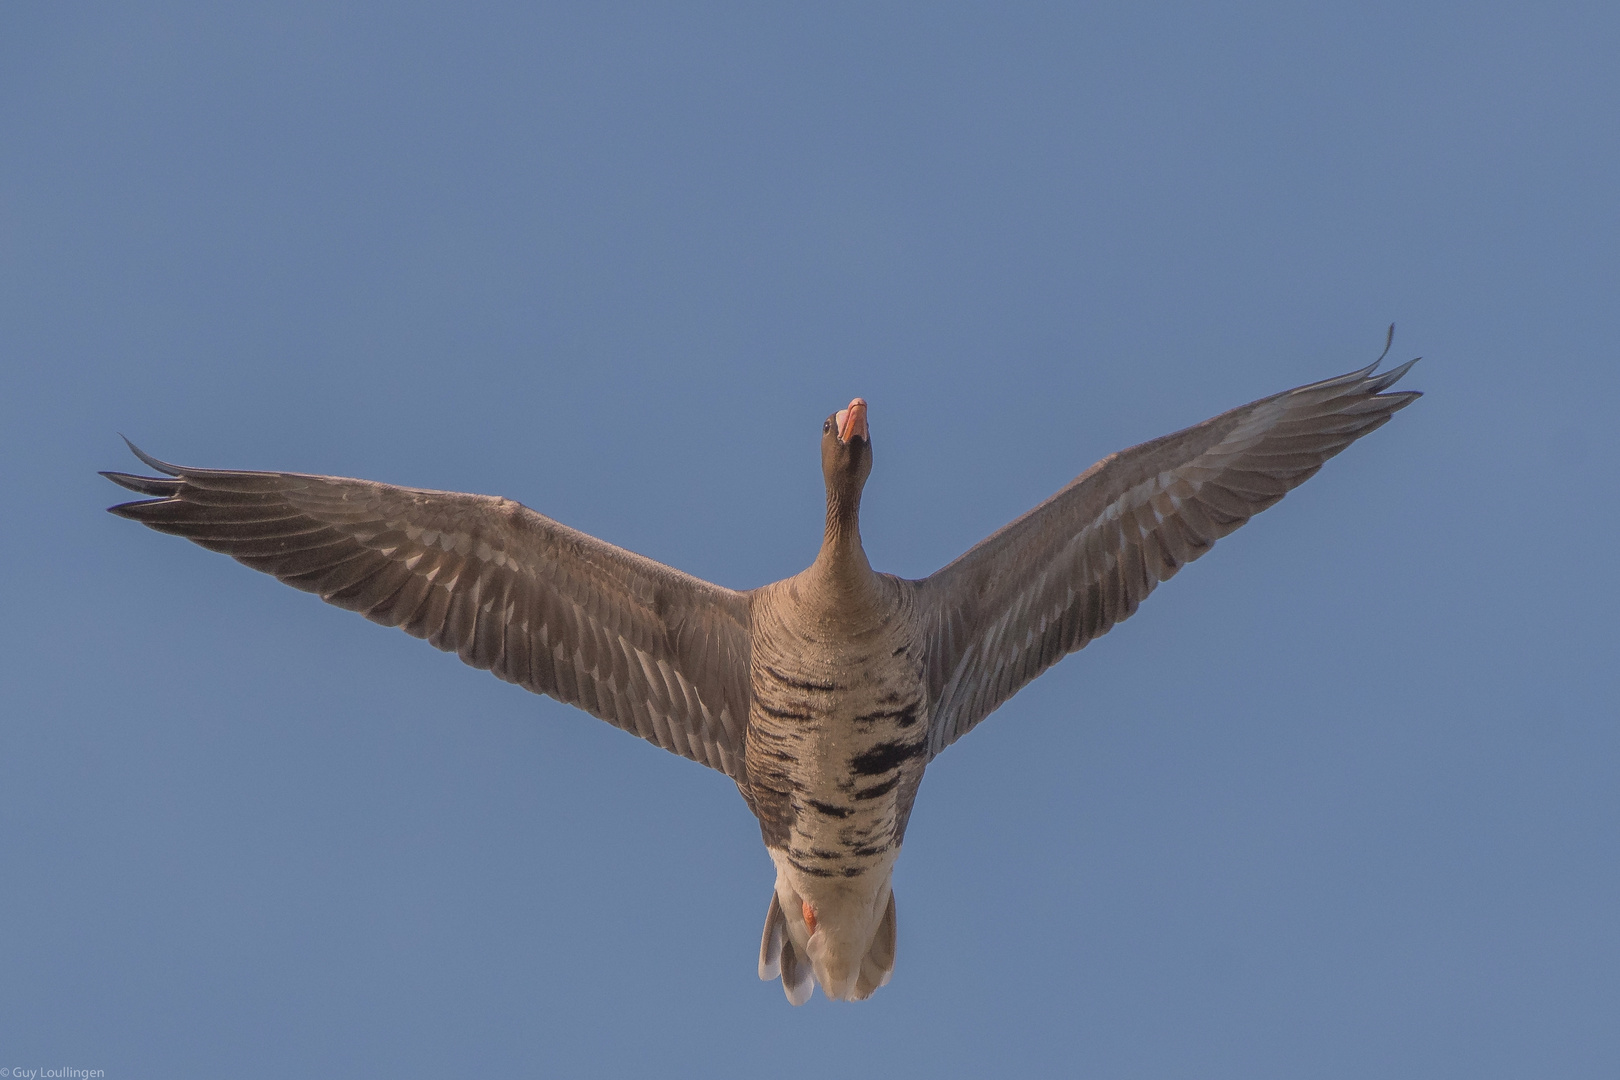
<point>823,696</point>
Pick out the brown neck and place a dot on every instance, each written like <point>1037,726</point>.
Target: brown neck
<point>841,565</point>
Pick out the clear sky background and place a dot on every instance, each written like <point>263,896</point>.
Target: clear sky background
<point>1343,800</point>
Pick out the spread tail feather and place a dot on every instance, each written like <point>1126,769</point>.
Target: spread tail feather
<point>797,977</point>
<point>770,943</point>
<point>780,958</point>
<point>877,966</point>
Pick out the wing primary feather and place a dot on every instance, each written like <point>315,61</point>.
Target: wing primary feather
<point>146,485</point>
<point>651,650</point>
<point>148,459</point>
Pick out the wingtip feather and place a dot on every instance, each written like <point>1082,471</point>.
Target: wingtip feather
<point>1389,340</point>
<point>130,510</point>
<point>145,485</point>
<point>148,459</point>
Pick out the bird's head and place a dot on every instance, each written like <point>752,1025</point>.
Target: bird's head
<point>846,453</point>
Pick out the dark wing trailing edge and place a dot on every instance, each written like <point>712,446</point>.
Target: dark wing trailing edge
<point>1068,570</point>
<point>645,647</point>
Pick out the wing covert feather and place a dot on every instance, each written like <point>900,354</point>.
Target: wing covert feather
<point>1067,571</point>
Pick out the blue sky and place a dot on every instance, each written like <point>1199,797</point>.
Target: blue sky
<point>1339,801</point>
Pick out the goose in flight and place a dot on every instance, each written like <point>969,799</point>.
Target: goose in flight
<point>823,696</point>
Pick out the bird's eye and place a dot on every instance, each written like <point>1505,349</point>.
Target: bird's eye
<point>826,426</point>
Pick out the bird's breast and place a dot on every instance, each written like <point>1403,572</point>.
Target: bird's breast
<point>837,740</point>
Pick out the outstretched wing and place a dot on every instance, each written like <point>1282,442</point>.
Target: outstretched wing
<point>645,647</point>
<point>1068,570</point>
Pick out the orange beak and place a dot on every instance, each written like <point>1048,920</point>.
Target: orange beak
<point>852,421</point>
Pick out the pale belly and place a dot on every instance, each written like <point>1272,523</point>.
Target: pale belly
<point>835,756</point>
<point>837,743</point>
